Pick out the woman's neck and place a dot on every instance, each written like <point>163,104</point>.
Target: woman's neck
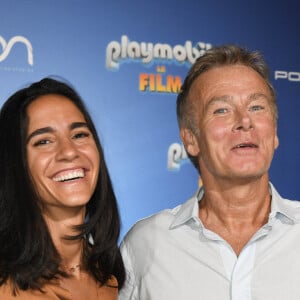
<point>62,226</point>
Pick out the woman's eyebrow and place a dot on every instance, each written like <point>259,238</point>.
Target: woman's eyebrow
<point>38,132</point>
<point>51,130</point>
<point>78,125</point>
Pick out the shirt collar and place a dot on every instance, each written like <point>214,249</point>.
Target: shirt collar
<point>279,209</point>
<point>188,210</point>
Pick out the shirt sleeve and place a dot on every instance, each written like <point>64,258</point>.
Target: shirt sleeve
<point>130,289</point>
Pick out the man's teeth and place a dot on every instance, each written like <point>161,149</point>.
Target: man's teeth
<point>69,176</point>
<point>245,145</point>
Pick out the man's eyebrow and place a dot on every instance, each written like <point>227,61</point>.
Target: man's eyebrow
<point>227,98</point>
<point>38,132</point>
<point>256,96</point>
<point>216,99</point>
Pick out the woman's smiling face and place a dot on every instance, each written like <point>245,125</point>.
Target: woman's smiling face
<point>63,158</point>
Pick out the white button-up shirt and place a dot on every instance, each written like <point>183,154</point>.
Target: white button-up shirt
<point>171,256</point>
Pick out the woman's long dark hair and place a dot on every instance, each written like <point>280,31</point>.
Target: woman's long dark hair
<point>28,256</point>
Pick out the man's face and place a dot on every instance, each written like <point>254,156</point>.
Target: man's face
<point>237,133</point>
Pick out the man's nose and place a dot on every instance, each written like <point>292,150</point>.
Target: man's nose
<point>243,121</point>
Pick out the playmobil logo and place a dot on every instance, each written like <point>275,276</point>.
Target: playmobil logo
<point>176,156</point>
<point>7,47</point>
<point>286,75</point>
<point>147,52</point>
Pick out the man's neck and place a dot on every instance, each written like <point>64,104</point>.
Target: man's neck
<point>235,212</point>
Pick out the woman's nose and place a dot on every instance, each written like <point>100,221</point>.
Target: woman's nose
<point>66,150</point>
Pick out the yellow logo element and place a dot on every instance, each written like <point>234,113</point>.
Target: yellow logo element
<point>159,83</point>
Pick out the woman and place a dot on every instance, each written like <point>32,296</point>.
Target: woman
<point>59,221</point>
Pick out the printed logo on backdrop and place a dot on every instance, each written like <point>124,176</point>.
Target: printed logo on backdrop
<point>287,75</point>
<point>7,51</point>
<point>160,54</point>
<point>176,156</point>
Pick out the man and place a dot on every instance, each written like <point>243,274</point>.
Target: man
<point>236,238</point>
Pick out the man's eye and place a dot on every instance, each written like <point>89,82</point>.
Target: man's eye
<point>220,111</point>
<point>256,107</point>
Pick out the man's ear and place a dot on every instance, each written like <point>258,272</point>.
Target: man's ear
<point>190,141</point>
<point>276,140</point>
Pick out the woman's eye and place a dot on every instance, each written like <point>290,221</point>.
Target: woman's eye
<point>41,142</point>
<point>80,135</point>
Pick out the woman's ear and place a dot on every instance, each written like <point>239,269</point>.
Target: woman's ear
<point>190,141</point>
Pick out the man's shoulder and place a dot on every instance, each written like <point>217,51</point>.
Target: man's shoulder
<point>284,206</point>
<point>292,207</point>
<point>158,225</point>
<point>159,221</point>
<point>291,203</point>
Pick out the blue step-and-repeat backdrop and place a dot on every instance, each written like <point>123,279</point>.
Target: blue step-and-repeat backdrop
<point>128,59</point>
